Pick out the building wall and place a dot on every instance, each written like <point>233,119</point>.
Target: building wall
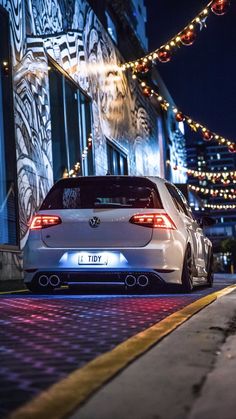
<point>70,33</point>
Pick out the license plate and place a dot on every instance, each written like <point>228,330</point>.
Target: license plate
<point>93,259</point>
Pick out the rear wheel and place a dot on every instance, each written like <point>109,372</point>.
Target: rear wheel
<point>187,273</point>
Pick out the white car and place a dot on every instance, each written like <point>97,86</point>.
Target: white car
<point>133,231</point>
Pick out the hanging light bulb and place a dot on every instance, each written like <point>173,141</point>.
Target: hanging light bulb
<point>147,91</point>
<point>207,135</point>
<point>142,67</point>
<point>164,55</point>
<point>220,7</point>
<point>179,117</point>
<point>232,148</point>
<point>188,37</point>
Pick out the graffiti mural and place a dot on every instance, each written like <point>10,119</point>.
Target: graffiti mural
<point>70,33</point>
<point>33,128</point>
<point>88,55</point>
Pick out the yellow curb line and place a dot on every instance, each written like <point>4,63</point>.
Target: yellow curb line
<point>12,292</point>
<point>65,396</point>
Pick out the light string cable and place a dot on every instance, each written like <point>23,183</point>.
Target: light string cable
<point>185,37</point>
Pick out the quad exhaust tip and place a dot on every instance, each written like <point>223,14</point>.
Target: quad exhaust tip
<point>142,280</point>
<point>130,281</point>
<point>54,281</point>
<point>43,280</point>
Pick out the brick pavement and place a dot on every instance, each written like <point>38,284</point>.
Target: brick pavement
<point>43,339</point>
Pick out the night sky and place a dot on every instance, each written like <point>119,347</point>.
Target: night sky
<point>201,78</point>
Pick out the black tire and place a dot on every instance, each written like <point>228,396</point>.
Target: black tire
<point>187,273</point>
<point>210,276</point>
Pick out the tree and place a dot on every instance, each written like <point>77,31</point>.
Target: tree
<point>229,245</point>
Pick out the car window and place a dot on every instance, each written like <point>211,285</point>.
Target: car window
<point>103,192</point>
<point>185,203</point>
<point>179,203</point>
<point>173,196</point>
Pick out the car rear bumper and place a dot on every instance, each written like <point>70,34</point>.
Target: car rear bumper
<point>163,263</point>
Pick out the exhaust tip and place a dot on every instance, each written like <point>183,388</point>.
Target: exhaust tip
<point>54,280</point>
<point>142,281</point>
<point>43,281</point>
<point>130,281</point>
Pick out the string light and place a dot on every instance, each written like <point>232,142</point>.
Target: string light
<point>215,193</point>
<point>77,168</point>
<point>222,177</point>
<point>195,126</point>
<point>185,37</point>
<point>220,206</point>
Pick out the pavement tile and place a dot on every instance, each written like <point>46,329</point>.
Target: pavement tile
<point>45,338</point>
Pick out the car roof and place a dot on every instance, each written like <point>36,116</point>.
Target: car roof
<point>102,177</point>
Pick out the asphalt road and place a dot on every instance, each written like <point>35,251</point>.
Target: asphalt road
<point>43,338</point>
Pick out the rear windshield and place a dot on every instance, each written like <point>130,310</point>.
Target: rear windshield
<point>102,192</point>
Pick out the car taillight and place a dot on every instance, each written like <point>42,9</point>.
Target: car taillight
<point>162,221</point>
<point>44,221</point>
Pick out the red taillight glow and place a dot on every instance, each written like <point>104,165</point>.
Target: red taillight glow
<point>44,221</point>
<point>162,221</point>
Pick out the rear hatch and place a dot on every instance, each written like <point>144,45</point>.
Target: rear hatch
<point>95,212</point>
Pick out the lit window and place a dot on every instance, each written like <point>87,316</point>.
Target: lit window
<point>71,127</point>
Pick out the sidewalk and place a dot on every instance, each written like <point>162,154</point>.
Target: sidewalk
<point>190,374</point>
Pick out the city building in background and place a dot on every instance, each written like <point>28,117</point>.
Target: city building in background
<point>215,158</point>
<point>68,109</point>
